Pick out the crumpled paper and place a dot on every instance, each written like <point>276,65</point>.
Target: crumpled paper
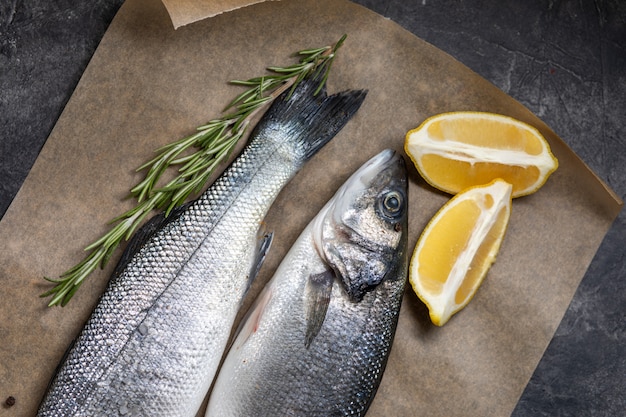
<point>184,12</point>
<point>149,84</point>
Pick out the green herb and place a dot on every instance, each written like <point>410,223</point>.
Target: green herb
<point>213,142</point>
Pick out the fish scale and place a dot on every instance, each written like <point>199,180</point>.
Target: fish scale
<point>153,343</point>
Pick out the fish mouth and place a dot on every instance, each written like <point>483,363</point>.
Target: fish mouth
<point>386,166</point>
<point>383,160</point>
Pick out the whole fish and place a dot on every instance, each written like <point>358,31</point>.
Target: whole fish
<point>154,341</point>
<point>317,339</point>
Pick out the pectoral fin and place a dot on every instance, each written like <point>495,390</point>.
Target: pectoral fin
<point>319,288</point>
<point>263,246</point>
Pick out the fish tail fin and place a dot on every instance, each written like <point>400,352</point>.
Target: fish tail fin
<point>312,120</point>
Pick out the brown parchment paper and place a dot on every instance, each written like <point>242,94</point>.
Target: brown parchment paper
<point>149,84</point>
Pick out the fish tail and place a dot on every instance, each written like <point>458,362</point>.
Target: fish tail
<point>312,120</point>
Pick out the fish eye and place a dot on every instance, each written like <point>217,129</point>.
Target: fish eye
<point>391,204</point>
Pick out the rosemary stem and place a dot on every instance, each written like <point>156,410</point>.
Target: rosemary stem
<point>213,143</point>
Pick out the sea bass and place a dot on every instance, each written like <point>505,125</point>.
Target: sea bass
<point>317,339</point>
<point>154,341</point>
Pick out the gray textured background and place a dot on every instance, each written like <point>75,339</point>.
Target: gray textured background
<point>564,60</point>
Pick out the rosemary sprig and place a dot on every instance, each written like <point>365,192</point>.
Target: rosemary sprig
<point>213,143</point>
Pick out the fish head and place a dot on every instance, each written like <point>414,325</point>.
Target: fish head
<point>361,234</point>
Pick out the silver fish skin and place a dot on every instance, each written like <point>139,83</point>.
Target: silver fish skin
<point>317,339</point>
<point>154,341</point>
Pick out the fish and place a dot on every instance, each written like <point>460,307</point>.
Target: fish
<point>317,338</point>
<point>153,343</point>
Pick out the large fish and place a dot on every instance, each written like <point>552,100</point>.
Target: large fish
<point>317,339</point>
<point>154,341</point>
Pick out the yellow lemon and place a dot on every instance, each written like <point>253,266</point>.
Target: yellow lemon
<point>457,248</point>
<point>457,150</point>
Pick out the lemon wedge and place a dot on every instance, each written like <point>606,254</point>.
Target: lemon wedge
<point>457,150</point>
<point>457,248</point>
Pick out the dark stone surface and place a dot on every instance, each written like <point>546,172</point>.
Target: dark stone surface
<point>565,60</point>
<point>44,48</point>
